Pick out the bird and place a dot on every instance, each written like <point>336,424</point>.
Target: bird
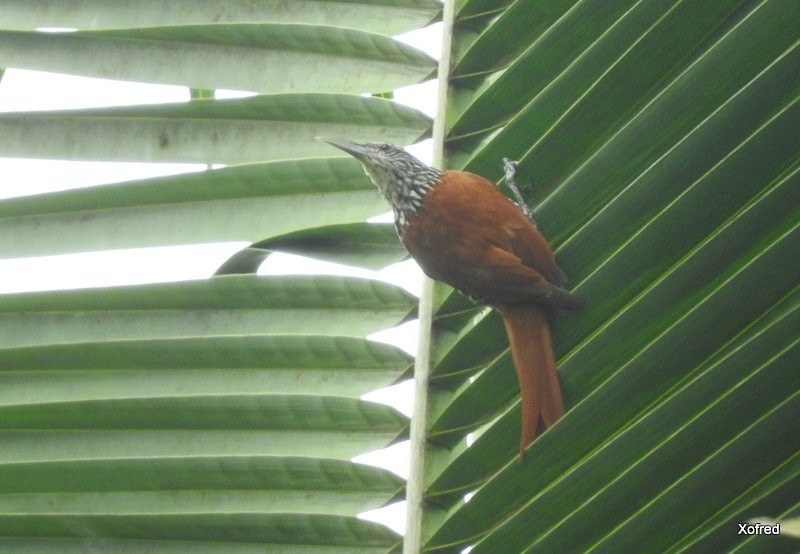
<point>462,230</point>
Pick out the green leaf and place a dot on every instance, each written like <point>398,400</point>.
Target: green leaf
<point>470,9</point>
<point>388,17</point>
<point>665,171</point>
<point>279,364</point>
<point>292,414</point>
<point>308,530</point>
<point>250,203</point>
<point>552,53</point>
<point>746,94</point>
<point>244,57</point>
<point>512,32</point>
<point>261,128</point>
<point>367,245</point>
<point>197,474</point>
<point>226,305</point>
<point>222,414</point>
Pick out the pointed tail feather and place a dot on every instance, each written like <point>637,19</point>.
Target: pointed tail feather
<point>532,351</point>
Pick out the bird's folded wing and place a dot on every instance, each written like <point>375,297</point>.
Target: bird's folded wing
<point>509,279</point>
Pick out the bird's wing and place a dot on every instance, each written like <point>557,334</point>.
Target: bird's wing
<point>471,236</point>
<point>497,221</point>
<point>510,280</point>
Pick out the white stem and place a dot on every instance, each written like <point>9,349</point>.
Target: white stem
<point>415,491</point>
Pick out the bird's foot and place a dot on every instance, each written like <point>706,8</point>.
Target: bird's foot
<point>510,168</point>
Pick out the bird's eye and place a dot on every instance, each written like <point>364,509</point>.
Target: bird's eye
<point>383,147</point>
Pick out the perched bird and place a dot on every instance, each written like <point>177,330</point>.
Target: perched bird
<point>463,231</point>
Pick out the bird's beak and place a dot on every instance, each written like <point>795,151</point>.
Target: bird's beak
<point>353,148</point>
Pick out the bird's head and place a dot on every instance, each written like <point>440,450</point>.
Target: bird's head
<point>394,171</point>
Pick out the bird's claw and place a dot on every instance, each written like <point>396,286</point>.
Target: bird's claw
<point>510,168</point>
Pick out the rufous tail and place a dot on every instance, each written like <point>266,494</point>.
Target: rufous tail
<point>532,351</point>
